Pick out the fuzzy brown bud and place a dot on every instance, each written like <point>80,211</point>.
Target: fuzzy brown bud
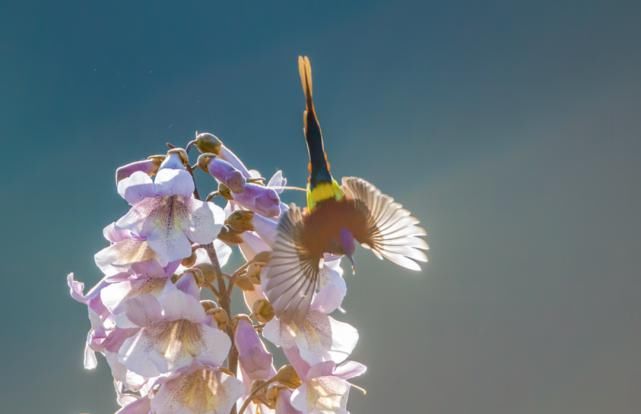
<point>221,317</point>
<point>263,310</point>
<point>241,220</point>
<point>244,283</point>
<point>229,236</point>
<point>206,142</point>
<point>253,273</point>
<point>189,261</point>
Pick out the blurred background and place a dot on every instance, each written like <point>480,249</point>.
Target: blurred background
<point>511,129</point>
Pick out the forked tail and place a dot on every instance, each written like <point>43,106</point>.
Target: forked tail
<point>318,166</point>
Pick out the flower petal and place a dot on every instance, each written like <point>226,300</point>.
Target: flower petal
<point>205,222</point>
<point>174,182</point>
<point>136,187</point>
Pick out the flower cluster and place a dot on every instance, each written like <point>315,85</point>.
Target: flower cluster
<point>161,315</point>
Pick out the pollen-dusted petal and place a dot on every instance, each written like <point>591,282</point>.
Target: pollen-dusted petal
<point>164,227</point>
<point>202,391</point>
<point>136,187</point>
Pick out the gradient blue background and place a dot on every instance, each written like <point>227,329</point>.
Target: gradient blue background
<point>511,129</point>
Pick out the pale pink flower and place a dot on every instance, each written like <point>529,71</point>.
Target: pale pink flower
<point>172,331</point>
<point>325,388</point>
<point>318,338</point>
<point>165,213</point>
<point>197,389</point>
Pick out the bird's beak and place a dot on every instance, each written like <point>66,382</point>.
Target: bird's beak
<point>351,260</point>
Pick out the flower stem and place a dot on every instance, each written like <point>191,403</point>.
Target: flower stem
<point>224,298</point>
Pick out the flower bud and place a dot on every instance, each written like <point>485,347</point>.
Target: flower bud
<point>288,377</point>
<point>244,283</point>
<point>262,257</point>
<point>237,318</point>
<point>208,271</point>
<point>263,310</point>
<point>241,220</point>
<point>262,200</point>
<point>224,191</point>
<point>189,261</point>
<point>208,305</point>
<point>229,236</point>
<point>222,171</point>
<point>229,156</point>
<point>253,273</point>
<point>206,142</point>
<point>221,318</point>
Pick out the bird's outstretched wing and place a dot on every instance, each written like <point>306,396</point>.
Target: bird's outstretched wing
<point>292,273</point>
<point>391,232</point>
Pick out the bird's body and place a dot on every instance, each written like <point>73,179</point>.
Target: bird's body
<point>336,218</point>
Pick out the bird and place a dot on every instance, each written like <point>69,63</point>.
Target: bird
<point>337,218</point>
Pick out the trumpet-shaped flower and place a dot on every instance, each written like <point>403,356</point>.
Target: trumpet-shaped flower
<point>172,331</point>
<point>197,389</point>
<point>318,338</point>
<point>165,214</point>
<point>325,388</point>
<point>130,253</point>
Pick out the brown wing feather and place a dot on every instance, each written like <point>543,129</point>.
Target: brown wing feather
<point>391,231</point>
<point>293,271</point>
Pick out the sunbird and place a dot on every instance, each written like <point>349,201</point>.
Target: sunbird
<point>336,218</point>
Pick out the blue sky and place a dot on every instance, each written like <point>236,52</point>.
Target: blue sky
<point>511,129</point>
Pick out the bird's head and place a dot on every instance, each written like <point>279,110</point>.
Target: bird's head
<point>348,246</point>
